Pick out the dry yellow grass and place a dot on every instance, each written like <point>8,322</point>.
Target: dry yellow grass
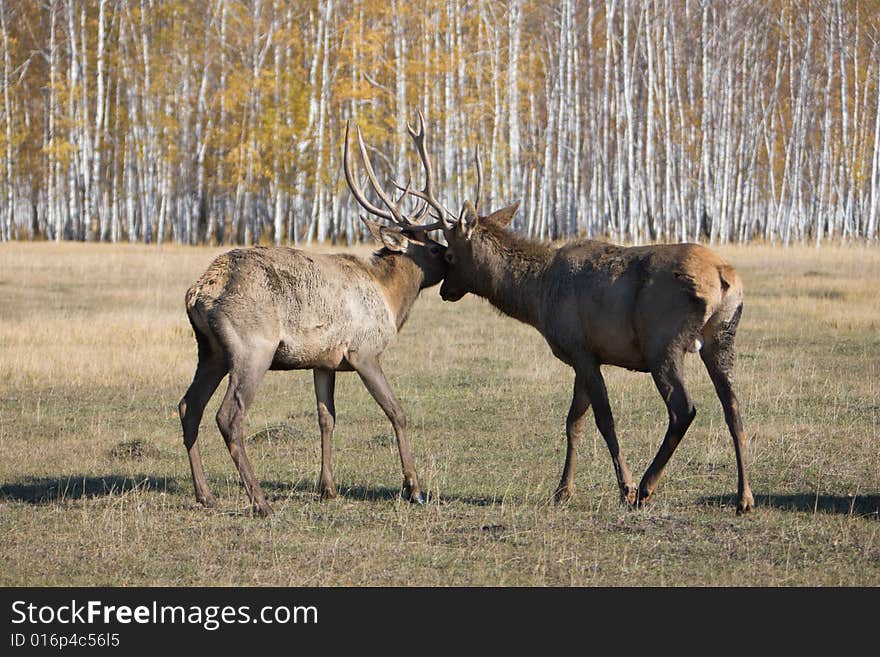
<point>95,351</point>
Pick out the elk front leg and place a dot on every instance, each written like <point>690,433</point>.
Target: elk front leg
<point>325,384</point>
<point>574,427</point>
<point>605,423</point>
<point>374,379</point>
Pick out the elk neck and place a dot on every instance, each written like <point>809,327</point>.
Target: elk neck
<point>400,279</point>
<point>509,272</point>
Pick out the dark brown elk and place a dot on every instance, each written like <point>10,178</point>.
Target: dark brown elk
<point>281,308</point>
<point>641,308</point>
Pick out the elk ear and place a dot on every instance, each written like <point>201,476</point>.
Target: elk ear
<point>504,216</point>
<point>468,219</point>
<point>374,228</point>
<point>393,240</point>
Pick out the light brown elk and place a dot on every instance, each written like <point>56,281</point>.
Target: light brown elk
<point>641,308</point>
<point>281,308</point>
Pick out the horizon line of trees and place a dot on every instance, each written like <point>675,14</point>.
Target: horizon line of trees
<point>222,121</point>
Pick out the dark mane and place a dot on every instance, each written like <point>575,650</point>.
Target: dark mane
<point>512,269</point>
<point>515,247</point>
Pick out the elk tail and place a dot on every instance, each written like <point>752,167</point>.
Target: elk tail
<point>195,312</point>
<point>729,279</point>
<point>720,329</point>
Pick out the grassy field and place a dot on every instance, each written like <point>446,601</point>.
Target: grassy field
<point>96,351</point>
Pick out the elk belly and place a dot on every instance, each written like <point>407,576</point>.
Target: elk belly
<point>308,353</point>
<point>289,357</point>
<point>616,344</point>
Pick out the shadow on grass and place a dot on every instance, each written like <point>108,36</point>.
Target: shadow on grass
<point>368,493</point>
<point>865,506</point>
<point>46,491</point>
<point>55,490</point>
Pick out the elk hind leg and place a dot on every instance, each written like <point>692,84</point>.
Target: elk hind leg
<point>244,378</point>
<point>210,371</point>
<point>717,354</point>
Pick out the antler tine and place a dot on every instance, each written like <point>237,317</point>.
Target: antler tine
<point>479,177</point>
<point>408,191</point>
<point>356,190</point>
<point>438,223</point>
<point>426,228</point>
<point>397,215</point>
<point>420,133</point>
<point>405,191</point>
<point>427,194</point>
<point>417,219</point>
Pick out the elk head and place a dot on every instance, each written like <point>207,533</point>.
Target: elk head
<point>409,236</point>
<point>427,254</point>
<point>459,233</point>
<point>460,255</point>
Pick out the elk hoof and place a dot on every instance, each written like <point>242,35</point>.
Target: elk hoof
<point>208,501</point>
<point>262,509</point>
<point>414,496</point>
<point>563,494</point>
<point>328,492</point>
<point>629,495</point>
<point>745,504</point>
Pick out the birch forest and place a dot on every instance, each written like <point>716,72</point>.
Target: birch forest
<point>222,121</point>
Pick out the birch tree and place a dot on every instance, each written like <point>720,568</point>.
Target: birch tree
<point>153,120</point>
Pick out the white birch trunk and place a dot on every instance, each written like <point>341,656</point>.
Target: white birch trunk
<point>669,197</point>
<point>97,186</point>
<point>89,227</point>
<point>320,213</point>
<point>490,199</point>
<point>706,202</point>
<point>6,221</point>
<point>53,219</point>
<point>649,167</point>
<point>74,217</point>
<point>842,183</point>
<point>821,216</point>
<point>149,167</point>
<point>220,204</point>
<point>398,31</point>
<point>631,211</point>
<point>875,168</point>
<point>278,209</point>
<point>514,22</point>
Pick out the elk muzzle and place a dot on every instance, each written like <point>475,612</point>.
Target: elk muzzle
<point>449,292</point>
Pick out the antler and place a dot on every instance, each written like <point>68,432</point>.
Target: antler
<point>427,193</point>
<point>479,177</point>
<point>393,213</point>
<point>445,218</point>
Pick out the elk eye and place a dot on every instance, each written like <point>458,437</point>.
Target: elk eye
<point>449,257</point>
<point>435,250</point>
